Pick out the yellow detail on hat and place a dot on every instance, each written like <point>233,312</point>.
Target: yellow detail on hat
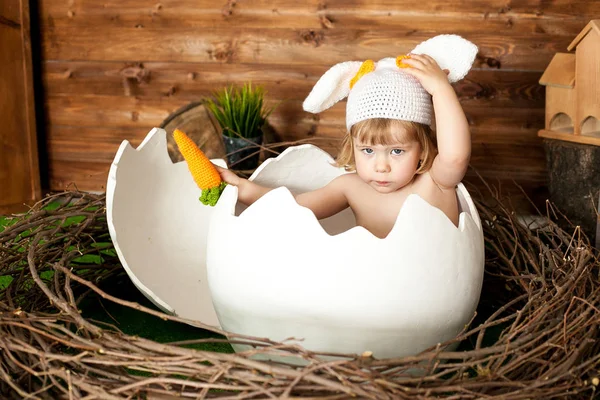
<point>365,68</point>
<point>399,62</point>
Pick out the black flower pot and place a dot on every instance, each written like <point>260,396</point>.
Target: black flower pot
<point>242,153</point>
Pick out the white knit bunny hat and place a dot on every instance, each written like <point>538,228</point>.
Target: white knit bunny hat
<point>383,90</point>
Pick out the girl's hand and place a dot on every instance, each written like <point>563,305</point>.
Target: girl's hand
<point>248,191</point>
<point>428,72</point>
<point>228,176</point>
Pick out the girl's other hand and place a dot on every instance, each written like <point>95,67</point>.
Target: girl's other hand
<point>428,72</point>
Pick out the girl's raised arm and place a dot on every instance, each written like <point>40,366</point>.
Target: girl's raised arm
<point>453,140</point>
<point>453,135</point>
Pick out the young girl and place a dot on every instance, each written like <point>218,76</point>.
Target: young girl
<point>389,145</point>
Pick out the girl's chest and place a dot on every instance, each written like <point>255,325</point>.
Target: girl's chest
<point>377,213</point>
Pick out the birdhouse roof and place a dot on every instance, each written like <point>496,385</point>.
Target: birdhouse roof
<point>593,25</point>
<point>560,72</point>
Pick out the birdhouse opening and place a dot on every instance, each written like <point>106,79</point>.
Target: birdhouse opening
<point>590,126</point>
<point>561,122</point>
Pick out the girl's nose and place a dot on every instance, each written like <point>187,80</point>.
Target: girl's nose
<point>382,164</point>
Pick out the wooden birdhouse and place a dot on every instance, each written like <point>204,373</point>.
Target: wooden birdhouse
<point>572,83</point>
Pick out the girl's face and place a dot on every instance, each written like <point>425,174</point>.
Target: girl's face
<point>387,168</point>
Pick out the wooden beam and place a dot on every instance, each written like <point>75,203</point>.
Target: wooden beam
<point>187,82</point>
<point>19,168</point>
<point>240,45</point>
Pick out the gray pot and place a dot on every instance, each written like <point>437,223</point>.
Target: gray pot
<point>242,153</point>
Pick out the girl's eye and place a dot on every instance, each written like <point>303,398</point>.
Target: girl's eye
<point>368,151</point>
<point>397,152</point>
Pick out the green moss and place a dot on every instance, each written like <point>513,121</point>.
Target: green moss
<point>5,281</point>
<point>125,319</point>
<point>137,323</point>
<point>6,221</point>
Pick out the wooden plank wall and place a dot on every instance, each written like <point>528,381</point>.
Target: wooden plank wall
<point>113,69</point>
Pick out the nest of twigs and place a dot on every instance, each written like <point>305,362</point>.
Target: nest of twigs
<point>535,334</point>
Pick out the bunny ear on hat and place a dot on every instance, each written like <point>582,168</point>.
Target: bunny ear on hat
<point>451,52</point>
<point>332,87</point>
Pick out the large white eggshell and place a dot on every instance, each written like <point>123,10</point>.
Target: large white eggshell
<point>274,271</point>
<point>159,227</point>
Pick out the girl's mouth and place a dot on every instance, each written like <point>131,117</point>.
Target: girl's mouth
<point>382,183</point>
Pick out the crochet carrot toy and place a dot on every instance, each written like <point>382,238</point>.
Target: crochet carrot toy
<point>203,171</point>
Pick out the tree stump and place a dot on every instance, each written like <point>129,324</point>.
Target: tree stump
<point>575,182</point>
<point>195,120</point>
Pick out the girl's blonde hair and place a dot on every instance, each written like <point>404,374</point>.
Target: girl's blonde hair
<point>377,131</point>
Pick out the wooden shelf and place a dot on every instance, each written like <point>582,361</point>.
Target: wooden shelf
<point>569,137</point>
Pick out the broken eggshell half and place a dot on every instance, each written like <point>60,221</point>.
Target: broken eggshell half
<point>273,270</point>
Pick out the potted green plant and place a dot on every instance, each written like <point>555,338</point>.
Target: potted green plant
<point>241,113</point>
